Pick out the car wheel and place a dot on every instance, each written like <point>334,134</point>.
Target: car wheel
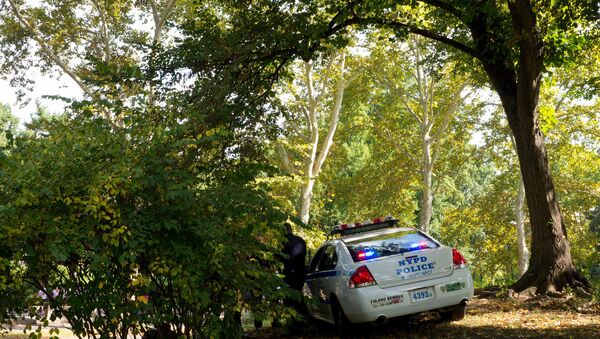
<point>455,313</point>
<point>342,323</point>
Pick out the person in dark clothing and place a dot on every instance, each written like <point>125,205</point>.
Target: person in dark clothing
<point>294,269</point>
<point>294,273</point>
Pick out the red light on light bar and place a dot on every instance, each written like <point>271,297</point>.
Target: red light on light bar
<point>344,226</point>
<point>368,254</point>
<point>376,220</point>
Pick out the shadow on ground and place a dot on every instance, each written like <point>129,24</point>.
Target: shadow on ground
<point>428,327</point>
<point>488,316</point>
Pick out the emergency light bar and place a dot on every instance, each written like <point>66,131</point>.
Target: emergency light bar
<point>365,226</point>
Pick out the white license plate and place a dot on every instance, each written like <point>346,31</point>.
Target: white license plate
<point>422,294</point>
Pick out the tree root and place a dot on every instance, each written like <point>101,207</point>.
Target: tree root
<point>552,286</point>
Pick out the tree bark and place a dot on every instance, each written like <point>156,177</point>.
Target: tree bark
<point>305,200</point>
<point>427,197</point>
<point>551,267</point>
<point>520,228</point>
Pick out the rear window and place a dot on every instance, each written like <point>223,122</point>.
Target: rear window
<point>389,244</point>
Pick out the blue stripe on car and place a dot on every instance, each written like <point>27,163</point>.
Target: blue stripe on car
<point>323,274</point>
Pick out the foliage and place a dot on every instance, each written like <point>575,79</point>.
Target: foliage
<point>8,124</point>
<point>83,41</point>
<point>172,215</point>
<point>159,216</point>
<point>138,227</point>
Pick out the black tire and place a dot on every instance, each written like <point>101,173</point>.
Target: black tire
<point>455,313</point>
<point>342,324</point>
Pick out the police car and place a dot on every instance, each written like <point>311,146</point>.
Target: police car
<point>376,271</point>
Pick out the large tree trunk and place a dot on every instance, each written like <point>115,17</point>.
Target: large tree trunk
<point>550,267</point>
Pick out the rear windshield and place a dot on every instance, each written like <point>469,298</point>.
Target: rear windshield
<point>389,244</point>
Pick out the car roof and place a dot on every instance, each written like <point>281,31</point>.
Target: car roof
<point>366,235</point>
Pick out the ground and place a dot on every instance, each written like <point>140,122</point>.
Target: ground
<point>491,314</point>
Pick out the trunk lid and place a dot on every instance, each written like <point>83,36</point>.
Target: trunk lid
<point>401,256</point>
<point>411,267</point>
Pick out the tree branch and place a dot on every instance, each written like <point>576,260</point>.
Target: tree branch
<point>446,7</point>
<point>339,96</point>
<point>326,77</point>
<point>105,40</point>
<point>400,148</point>
<point>401,95</point>
<point>46,50</point>
<point>285,160</point>
<point>333,29</point>
<point>448,116</point>
<point>160,18</point>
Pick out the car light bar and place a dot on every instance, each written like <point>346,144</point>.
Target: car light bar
<point>365,226</point>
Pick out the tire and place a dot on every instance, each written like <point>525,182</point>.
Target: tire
<point>342,324</point>
<point>455,313</point>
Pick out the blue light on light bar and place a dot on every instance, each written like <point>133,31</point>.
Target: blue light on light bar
<point>364,255</point>
<point>419,245</point>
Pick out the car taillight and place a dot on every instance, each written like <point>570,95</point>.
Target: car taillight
<point>458,259</point>
<point>361,278</point>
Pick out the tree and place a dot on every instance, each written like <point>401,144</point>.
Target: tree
<point>520,227</point>
<point>500,147</point>
<point>426,98</point>
<point>312,100</point>
<point>567,115</point>
<point>365,177</point>
<point>569,119</point>
<point>87,41</point>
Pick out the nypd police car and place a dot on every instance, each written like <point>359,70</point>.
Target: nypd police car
<point>376,271</point>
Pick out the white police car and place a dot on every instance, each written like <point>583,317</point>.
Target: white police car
<point>376,271</point>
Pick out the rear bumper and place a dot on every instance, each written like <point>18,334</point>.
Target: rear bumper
<point>367,304</point>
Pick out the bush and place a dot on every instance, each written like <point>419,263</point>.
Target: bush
<point>137,228</point>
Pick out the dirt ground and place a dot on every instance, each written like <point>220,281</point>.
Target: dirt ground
<point>491,314</point>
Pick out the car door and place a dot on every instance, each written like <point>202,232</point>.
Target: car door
<point>313,284</point>
<point>326,270</point>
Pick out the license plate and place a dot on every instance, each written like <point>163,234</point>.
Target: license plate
<point>422,294</point>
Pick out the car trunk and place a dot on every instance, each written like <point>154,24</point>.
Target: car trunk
<point>411,267</point>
